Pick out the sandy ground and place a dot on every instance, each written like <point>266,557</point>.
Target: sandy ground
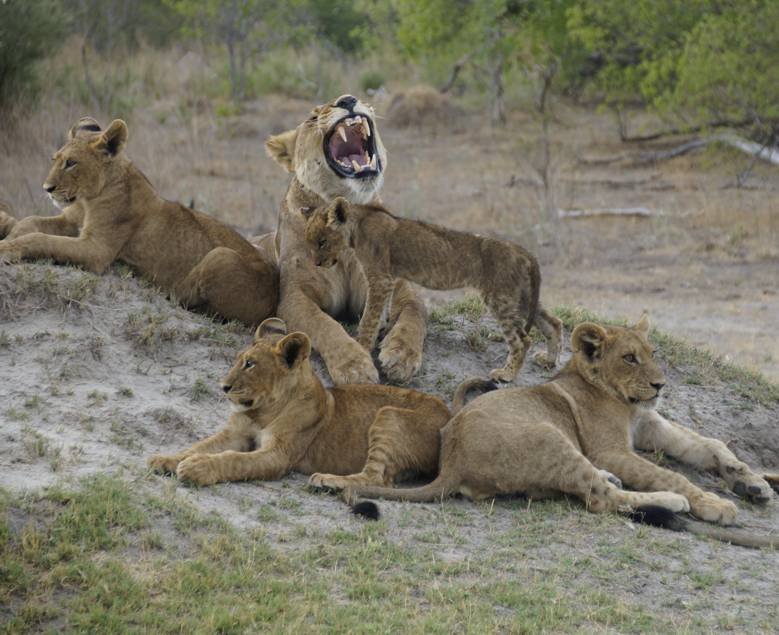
<point>97,373</point>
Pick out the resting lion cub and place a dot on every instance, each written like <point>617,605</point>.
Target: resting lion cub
<point>571,434</point>
<point>388,248</point>
<point>111,212</point>
<point>284,419</point>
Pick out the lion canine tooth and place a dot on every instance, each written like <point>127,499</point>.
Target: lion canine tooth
<point>373,162</point>
<point>355,165</point>
<point>342,132</point>
<point>366,128</point>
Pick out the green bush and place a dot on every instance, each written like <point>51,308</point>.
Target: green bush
<point>371,80</point>
<point>29,31</point>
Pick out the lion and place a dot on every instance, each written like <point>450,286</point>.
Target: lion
<point>110,211</point>
<point>388,248</point>
<point>284,419</point>
<point>338,151</point>
<point>575,432</point>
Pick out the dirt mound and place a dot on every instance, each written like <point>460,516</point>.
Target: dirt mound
<point>424,107</point>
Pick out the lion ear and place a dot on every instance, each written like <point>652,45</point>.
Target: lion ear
<point>338,211</point>
<point>642,326</point>
<point>271,326</point>
<point>294,349</point>
<point>589,339</point>
<point>85,124</point>
<point>113,140</point>
<point>281,148</point>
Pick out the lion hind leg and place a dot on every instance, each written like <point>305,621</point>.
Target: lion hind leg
<point>552,330</point>
<point>231,285</point>
<point>510,321</point>
<point>399,440</point>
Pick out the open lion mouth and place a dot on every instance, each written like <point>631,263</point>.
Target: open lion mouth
<point>350,148</point>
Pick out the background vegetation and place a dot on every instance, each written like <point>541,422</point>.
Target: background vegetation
<point>702,63</point>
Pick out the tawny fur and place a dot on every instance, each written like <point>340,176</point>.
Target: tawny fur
<point>391,248</point>
<point>568,434</point>
<point>284,419</point>
<point>312,297</point>
<point>111,212</point>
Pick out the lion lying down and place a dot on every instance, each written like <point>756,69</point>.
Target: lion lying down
<point>573,433</point>
<point>111,212</point>
<point>284,419</point>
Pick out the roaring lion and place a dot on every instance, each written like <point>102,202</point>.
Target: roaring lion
<point>111,212</point>
<point>337,151</point>
<point>575,432</point>
<point>284,419</point>
<point>388,248</point>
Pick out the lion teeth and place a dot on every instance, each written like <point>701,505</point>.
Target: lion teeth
<point>373,162</point>
<point>342,133</point>
<point>355,165</point>
<point>366,128</point>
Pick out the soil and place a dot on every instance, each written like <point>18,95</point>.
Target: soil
<point>98,373</point>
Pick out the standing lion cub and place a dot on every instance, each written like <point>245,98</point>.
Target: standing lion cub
<point>112,212</point>
<point>284,419</point>
<point>388,248</point>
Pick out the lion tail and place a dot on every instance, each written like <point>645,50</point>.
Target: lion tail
<point>442,487</point>
<point>661,517</point>
<point>470,385</point>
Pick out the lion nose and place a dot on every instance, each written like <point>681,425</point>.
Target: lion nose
<point>48,188</point>
<point>226,387</point>
<point>347,101</point>
<point>658,386</point>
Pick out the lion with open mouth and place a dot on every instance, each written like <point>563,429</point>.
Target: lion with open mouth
<point>337,151</point>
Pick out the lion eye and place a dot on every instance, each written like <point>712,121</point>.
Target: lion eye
<point>322,243</point>
<point>69,163</point>
<point>631,359</point>
<point>248,364</point>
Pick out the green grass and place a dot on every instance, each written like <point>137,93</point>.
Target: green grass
<point>701,366</point>
<point>104,558</point>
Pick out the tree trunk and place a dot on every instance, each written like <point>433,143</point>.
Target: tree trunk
<point>498,105</point>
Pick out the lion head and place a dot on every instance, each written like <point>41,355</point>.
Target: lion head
<point>327,232</point>
<point>89,160</point>
<point>269,371</point>
<point>619,360</point>
<point>337,151</point>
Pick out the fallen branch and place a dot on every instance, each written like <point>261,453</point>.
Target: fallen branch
<point>672,132</point>
<point>606,211</point>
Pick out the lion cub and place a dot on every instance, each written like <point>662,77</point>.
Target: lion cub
<point>284,419</point>
<point>110,211</point>
<point>388,247</point>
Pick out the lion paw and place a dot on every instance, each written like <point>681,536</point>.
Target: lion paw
<point>399,359</point>
<point>355,366</point>
<point>162,464</point>
<point>672,501</point>
<point>712,508</point>
<point>328,481</point>
<point>199,469</point>
<point>503,375</point>
<point>544,360</point>
<point>747,484</point>
<point>9,253</point>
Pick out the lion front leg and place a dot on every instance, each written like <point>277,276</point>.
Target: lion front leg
<point>346,361</point>
<point>652,432</point>
<point>207,469</point>
<point>93,255</point>
<point>379,289</point>
<point>401,349</point>
<point>226,439</point>
<point>638,473</point>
